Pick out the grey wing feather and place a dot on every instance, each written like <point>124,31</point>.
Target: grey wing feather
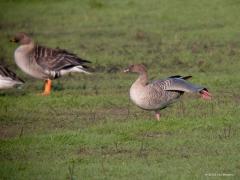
<point>170,89</point>
<point>57,59</point>
<point>181,77</point>
<point>166,97</point>
<point>179,84</point>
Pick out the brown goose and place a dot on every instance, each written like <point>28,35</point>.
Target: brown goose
<point>8,79</point>
<point>45,63</point>
<point>159,94</point>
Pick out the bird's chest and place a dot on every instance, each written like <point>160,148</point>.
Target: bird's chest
<point>137,95</point>
<point>22,60</point>
<point>26,63</point>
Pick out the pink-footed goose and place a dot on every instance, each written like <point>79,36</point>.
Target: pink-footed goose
<point>158,94</point>
<point>45,63</point>
<point>8,79</point>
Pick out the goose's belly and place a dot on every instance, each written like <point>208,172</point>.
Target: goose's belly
<point>143,99</point>
<point>29,66</point>
<point>149,100</point>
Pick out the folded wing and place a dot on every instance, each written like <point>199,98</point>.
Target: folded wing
<point>5,73</point>
<point>57,59</point>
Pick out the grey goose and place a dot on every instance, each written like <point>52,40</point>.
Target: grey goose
<point>8,79</point>
<point>159,94</point>
<point>45,63</point>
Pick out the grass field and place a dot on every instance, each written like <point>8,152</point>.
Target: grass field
<point>88,128</point>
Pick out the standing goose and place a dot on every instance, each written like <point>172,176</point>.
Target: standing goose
<point>8,79</point>
<point>45,63</point>
<point>159,94</point>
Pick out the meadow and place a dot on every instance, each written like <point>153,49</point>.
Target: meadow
<point>88,128</point>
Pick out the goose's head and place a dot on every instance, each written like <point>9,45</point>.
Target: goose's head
<point>21,38</point>
<point>136,68</point>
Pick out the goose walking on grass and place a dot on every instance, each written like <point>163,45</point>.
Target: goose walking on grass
<point>8,79</point>
<point>45,63</point>
<point>158,94</point>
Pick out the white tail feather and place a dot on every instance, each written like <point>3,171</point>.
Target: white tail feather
<point>78,69</point>
<point>8,83</point>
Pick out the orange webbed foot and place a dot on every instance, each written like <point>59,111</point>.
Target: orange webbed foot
<point>47,88</point>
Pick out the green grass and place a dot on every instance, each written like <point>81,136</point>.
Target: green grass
<point>87,128</point>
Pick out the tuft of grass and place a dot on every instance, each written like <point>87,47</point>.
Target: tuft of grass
<point>96,4</point>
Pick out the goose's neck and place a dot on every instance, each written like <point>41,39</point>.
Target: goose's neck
<point>142,79</point>
<point>26,48</point>
<point>31,46</point>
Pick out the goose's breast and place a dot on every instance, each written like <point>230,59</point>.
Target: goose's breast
<point>145,98</point>
<point>28,65</point>
<point>136,95</point>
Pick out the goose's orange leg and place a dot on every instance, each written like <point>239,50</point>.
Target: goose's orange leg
<point>47,87</point>
<point>157,114</point>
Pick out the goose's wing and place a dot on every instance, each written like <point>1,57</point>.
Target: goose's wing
<point>177,83</point>
<point>181,77</point>
<point>57,59</point>
<point>180,84</point>
<point>161,95</point>
<point>5,73</point>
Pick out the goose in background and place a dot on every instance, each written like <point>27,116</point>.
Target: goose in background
<point>159,94</point>
<point>8,79</point>
<point>45,63</point>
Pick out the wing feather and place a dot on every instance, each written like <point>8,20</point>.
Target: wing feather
<point>56,59</point>
<point>179,84</point>
<point>5,72</point>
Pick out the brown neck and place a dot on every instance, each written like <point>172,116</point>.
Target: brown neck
<point>29,47</point>
<point>143,78</point>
